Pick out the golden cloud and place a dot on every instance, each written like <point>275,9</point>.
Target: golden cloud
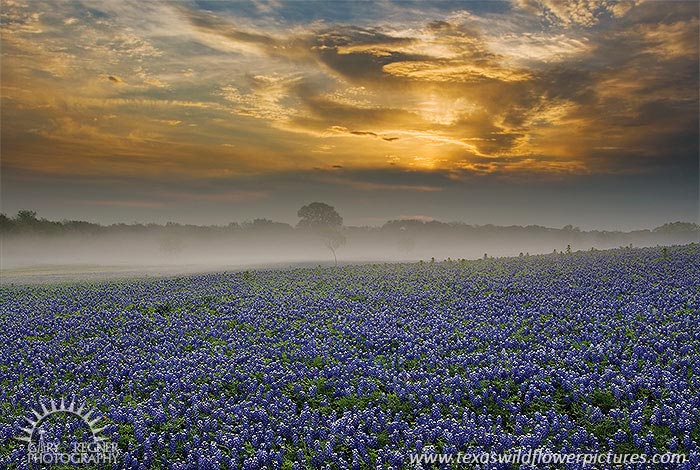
<point>198,93</point>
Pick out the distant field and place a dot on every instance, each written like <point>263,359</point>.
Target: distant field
<point>361,366</point>
<point>62,273</point>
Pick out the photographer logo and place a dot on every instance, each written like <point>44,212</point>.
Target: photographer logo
<point>97,449</point>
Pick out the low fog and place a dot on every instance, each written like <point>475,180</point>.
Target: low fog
<point>36,247</point>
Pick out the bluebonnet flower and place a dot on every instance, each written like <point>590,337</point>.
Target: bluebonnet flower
<point>359,366</point>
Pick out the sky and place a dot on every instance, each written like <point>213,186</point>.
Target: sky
<point>525,112</point>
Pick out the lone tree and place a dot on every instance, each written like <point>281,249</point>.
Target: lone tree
<point>332,239</point>
<point>319,215</point>
<point>326,222</point>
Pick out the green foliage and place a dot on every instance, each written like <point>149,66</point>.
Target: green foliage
<point>319,214</point>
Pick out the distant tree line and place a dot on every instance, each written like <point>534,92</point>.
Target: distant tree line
<point>435,226</point>
<point>27,222</point>
<point>318,217</point>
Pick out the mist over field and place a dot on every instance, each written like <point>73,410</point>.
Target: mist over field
<point>37,247</point>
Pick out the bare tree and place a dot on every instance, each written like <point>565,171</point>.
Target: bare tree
<point>333,239</point>
<point>323,219</point>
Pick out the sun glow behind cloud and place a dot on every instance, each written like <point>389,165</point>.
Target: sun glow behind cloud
<point>169,90</point>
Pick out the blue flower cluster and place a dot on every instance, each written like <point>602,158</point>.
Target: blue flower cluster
<point>359,366</point>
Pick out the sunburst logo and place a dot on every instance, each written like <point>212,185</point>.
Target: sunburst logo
<point>97,450</point>
<point>81,412</point>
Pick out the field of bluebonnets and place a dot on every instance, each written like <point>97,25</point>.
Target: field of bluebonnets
<point>358,366</point>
